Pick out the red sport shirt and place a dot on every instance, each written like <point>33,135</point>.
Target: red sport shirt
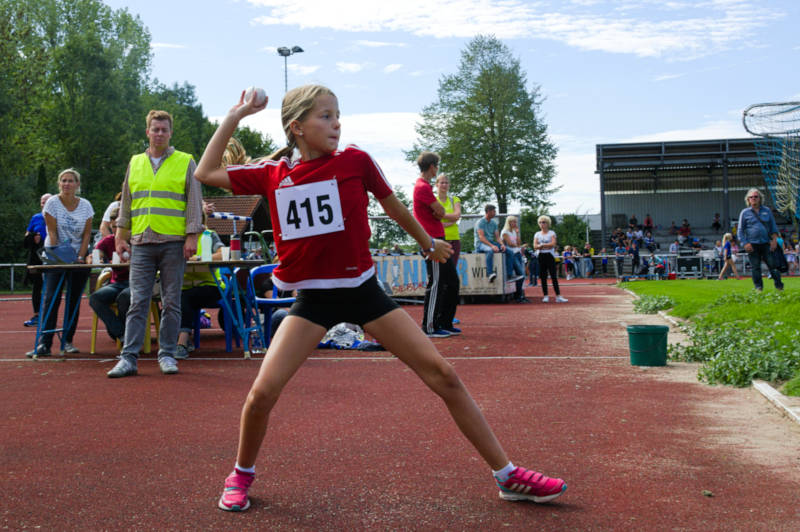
<point>322,240</point>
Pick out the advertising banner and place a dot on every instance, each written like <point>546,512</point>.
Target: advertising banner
<point>407,276</point>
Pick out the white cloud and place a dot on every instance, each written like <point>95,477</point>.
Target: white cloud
<point>163,45</point>
<point>647,28</point>
<point>665,77</point>
<point>341,66</point>
<point>380,44</point>
<point>392,68</point>
<point>303,70</point>
<point>718,129</point>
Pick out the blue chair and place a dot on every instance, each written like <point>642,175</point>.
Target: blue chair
<point>227,322</point>
<point>266,305</point>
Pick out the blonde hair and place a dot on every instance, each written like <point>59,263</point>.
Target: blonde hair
<point>297,103</point>
<point>155,114</point>
<point>727,237</point>
<point>760,196</point>
<point>544,218</point>
<point>74,173</point>
<point>507,224</point>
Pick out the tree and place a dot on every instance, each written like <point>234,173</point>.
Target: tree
<point>487,126</point>
<point>386,233</point>
<point>571,230</point>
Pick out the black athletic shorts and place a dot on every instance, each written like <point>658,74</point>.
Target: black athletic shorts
<point>329,306</point>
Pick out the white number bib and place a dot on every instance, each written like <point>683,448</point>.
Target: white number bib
<point>308,210</point>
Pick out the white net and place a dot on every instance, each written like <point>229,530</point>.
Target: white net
<point>778,125</point>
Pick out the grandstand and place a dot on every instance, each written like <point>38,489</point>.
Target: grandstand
<point>676,180</point>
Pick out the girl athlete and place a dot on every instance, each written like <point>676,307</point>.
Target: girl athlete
<point>319,217</point>
<point>727,257</point>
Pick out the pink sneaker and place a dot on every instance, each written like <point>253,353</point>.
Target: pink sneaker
<point>527,485</point>
<point>234,497</point>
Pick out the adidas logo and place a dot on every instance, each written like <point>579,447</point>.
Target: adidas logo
<point>287,182</point>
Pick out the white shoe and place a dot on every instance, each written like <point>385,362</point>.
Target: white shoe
<point>560,299</point>
<point>546,299</point>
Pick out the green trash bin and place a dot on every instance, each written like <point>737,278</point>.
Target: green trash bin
<point>648,344</point>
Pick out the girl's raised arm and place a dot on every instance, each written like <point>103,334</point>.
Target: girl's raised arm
<point>208,170</point>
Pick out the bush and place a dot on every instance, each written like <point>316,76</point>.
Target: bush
<point>652,304</point>
<point>735,355</point>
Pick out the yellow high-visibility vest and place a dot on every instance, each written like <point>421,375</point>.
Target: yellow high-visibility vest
<point>158,200</point>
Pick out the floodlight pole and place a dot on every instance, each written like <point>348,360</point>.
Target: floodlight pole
<point>285,52</point>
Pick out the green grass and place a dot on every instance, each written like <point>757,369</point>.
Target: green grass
<point>737,333</point>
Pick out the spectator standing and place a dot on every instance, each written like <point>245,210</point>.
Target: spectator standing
<point>69,222</point>
<point>586,259</point>
<point>34,242</point>
<point>545,243</point>
<point>487,239</point>
<point>569,263</point>
<point>514,266</point>
<point>758,234</point>
<point>634,252</point>
<point>117,291</point>
<point>441,292</point>
<point>162,215</point>
<point>620,252</point>
<point>452,214</point>
<point>533,265</point>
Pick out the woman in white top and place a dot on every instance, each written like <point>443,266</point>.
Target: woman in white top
<point>515,268</point>
<point>545,242</point>
<point>69,220</point>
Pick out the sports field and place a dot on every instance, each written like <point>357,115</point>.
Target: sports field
<point>357,442</point>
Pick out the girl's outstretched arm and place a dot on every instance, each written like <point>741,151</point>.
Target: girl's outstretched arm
<point>208,170</point>
<point>398,212</point>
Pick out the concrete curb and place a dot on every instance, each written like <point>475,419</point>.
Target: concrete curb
<point>780,401</point>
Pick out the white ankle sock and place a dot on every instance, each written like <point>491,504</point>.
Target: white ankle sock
<point>502,474</point>
<point>251,469</point>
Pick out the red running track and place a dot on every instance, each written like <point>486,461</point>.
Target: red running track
<point>357,442</point>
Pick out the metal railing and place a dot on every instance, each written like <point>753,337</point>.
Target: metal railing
<point>12,267</point>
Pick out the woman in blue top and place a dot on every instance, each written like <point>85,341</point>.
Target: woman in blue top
<point>727,257</point>
<point>758,234</point>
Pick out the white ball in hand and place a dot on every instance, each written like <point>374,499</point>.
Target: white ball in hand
<point>260,95</point>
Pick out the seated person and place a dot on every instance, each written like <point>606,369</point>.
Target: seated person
<point>199,291</point>
<point>649,242</point>
<point>633,221</point>
<point>696,246</point>
<point>673,229</point>
<point>674,247</point>
<point>716,225</point>
<point>648,223</point>
<point>117,291</point>
<point>487,239</point>
<point>684,231</point>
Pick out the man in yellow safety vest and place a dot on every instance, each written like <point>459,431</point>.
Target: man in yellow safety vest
<point>159,221</point>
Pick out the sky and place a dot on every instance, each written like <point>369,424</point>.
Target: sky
<point>609,71</point>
